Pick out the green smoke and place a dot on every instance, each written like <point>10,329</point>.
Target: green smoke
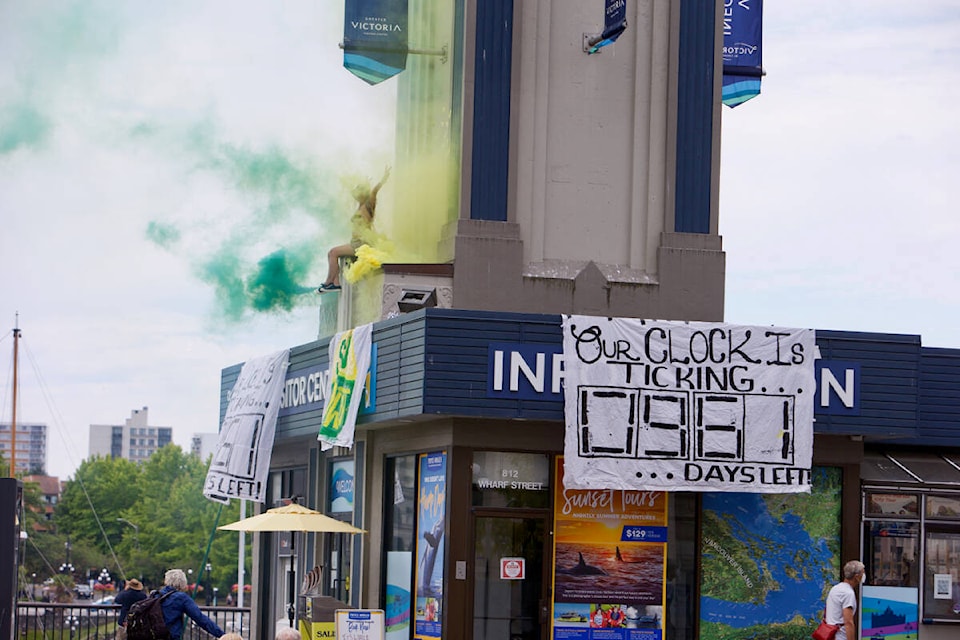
<point>275,182</point>
<point>22,126</point>
<point>54,51</point>
<point>162,234</point>
<point>224,272</point>
<point>257,216</point>
<point>275,284</point>
<point>263,257</point>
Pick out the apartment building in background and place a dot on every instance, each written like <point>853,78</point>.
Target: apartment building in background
<point>134,440</point>
<point>31,443</point>
<point>203,445</point>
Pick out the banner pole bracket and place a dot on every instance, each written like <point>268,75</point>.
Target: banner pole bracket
<point>442,52</point>
<point>591,40</point>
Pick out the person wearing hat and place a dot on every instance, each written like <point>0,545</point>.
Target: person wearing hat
<point>132,592</point>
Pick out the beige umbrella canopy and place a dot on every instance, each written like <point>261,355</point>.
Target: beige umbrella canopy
<point>292,517</point>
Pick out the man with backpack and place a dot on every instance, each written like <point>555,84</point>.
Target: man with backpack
<point>132,592</point>
<point>144,620</point>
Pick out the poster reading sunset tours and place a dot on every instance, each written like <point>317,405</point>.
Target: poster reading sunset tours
<point>609,563</point>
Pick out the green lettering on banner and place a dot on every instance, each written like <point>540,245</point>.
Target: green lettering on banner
<point>342,387</point>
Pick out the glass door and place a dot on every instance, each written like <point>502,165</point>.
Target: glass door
<point>509,587</point>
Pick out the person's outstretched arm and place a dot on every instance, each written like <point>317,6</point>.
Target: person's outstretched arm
<point>376,188</point>
<point>208,625</point>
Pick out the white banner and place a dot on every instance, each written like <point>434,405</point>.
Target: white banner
<point>349,362</point>
<point>242,460</point>
<point>687,406</point>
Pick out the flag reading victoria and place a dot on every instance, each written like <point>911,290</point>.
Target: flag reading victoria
<point>687,406</point>
<point>375,38</point>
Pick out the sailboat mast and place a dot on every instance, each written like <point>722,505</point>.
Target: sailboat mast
<point>13,422</point>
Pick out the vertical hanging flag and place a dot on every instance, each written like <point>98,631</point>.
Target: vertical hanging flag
<point>614,23</point>
<point>375,38</point>
<point>742,48</point>
<point>241,462</point>
<point>349,354</point>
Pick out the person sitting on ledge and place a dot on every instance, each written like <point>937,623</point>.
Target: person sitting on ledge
<point>362,222</point>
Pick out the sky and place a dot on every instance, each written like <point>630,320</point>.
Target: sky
<point>155,157</point>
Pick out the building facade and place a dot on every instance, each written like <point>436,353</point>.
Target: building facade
<point>541,179</point>
<point>50,489</point>
<point>583,184</point>
<point>134,440</point>
<point>473,391</point>
<point>203,445</point>
<point>31,443</point>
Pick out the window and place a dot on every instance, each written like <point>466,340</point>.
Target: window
<point>509,479</point>
<point>892,504</point>
<point>400,510</point>
<point>941,582</point>
<point>891,553</point>
<point>943,507</point>
<point>912,540</point>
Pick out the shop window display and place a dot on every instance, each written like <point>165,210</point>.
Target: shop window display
<point>912,551</point>
<point>941,584</point>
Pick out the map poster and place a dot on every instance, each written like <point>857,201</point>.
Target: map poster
<point>431,521</point>
<point>768,559</point>
<point>610,548</point>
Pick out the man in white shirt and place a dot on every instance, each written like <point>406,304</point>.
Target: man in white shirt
<point>842,600</point>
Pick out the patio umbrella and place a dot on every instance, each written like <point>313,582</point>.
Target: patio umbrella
<point>292,517</point>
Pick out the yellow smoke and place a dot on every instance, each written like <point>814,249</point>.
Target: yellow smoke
<point>368,260</point>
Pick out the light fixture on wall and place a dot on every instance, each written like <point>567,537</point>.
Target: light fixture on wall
<point>413,299</point>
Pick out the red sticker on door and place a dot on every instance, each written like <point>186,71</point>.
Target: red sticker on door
<point>513,568</point>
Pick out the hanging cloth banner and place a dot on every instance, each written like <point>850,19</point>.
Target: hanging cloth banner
<point>375,38</point>
<point>687,406</point>
<point>242,460</point>
<point>349,354</point>
<point>742,50</point>
<point>614,23</point>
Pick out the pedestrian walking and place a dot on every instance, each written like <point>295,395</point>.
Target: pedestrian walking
<point>841,603</point>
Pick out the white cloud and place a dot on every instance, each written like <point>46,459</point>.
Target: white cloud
<point>837,190</point>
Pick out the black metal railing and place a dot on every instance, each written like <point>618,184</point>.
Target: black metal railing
<point>87,621</point>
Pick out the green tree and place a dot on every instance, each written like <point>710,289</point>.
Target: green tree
<point>176,520</point>
<point>45,551</point>
<point>101,490</point>
<point>140,520</point>
<point>33,507</point>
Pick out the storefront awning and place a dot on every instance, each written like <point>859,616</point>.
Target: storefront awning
<point>911,468</point>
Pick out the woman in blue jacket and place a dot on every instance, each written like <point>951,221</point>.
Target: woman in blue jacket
<point>179,603</point>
